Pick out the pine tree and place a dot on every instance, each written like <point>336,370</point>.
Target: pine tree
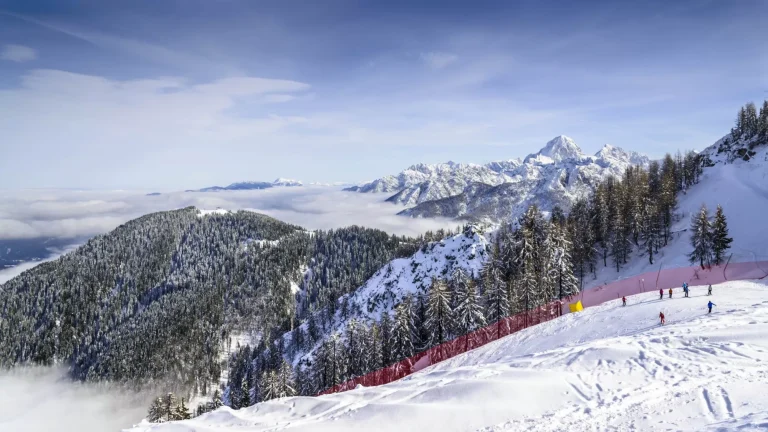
<point>215,402</point>
<point>720,240</point>
<point>763,121</point>
<point>354,348</point>
<point>245,393</point>
<point>181,412</point>
<point>374,349</point>
<point>751,121</point>
<point>496,290</point>
<point>284,381</point>
<point>168,407</point>
<point>701,238</point>
<point>386,328</point>
<point>439,313</point>
<point>468,312</point>
<point>268,385</point>
<point>403,333</point>
<point>527,286</point>
<point>156,412</point>
<point>561,264</point>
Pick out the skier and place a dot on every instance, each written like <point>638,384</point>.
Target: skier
<point>685,289</point>
<point>661,317</point>
<point>624,301</point>
<point>670,293</point>
<point>709,290</point>
<point>709,305</point>
<point>661,294</point>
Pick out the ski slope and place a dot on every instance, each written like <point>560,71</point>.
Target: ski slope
<point>606,368</point>
<point>741,188</point>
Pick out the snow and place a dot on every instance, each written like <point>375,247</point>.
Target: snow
<point>219,211</point>
<point>606,368</point>
<point>414,275</point>
<point>556,175</point>
<point>286,182</point>
<point>741,188</point>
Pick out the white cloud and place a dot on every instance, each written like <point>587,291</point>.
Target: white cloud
<point>70,214</point>
<point>18,53</point>
<point>438,60</point>
<point>44,399</point>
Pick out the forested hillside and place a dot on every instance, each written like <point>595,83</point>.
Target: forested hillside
<point>153,300</point>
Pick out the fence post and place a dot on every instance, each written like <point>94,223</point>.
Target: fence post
<point>726,267</point>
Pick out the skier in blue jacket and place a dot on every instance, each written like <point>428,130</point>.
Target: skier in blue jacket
<point>709,305</point>
<point>685,288</point>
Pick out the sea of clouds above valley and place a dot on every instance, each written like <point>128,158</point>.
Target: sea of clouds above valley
<point>80,214</point>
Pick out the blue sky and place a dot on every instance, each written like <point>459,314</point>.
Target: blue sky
<point>183,94</point>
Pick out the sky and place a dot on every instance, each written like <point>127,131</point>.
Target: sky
<point>175,95</point>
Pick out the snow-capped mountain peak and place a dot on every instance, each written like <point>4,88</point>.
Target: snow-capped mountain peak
<point>557,174</point>
<point>613,154</point>
<point>559,149</point>
<point>286,182</point>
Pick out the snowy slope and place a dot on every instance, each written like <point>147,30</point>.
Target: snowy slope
<point>607,368</point>
<point>742,189</point>
<point>407,276</point>
<point>557,174</point>
<point>414,275</point>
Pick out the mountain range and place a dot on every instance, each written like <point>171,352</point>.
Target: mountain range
<point>556,175</point>
<point>251,185</point>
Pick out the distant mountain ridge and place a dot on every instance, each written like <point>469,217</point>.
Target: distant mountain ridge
<point>251,185</point>
<point>556,175</point>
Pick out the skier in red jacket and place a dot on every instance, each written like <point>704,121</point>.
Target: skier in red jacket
<point>661,294</point>
<point>661,317</point>
<point>624,301</point>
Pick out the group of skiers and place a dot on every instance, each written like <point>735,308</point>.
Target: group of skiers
<point>685,291</point>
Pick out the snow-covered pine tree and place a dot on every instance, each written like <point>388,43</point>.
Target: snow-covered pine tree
<point>285,382</point>
<point>268,385</point>
<point>701,238</point>
<point>751,121</point>
<point>403,334</point>
<point>469,311</point>
<point>354,348</point>
<point>215,402</point>
<point>181,412</point>
<point>720,240</point>
<point>156,412</point>
<point>245,393</point>
<point>561,264</point>
<point>762,123</point>
<point>313,332</point>
<point>169,406</point>
<point>439,313</point>
<point>373,351</point>
<point>422,336</point>
<point>386,327</point>
<point>496,290</point>
<point>528,288</point>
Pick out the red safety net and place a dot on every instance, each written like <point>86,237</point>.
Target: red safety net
<point>453,348</point>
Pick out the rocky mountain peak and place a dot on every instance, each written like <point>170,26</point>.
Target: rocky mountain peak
<point>558,149</point>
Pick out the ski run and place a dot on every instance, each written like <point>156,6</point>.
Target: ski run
<point>610,367</point>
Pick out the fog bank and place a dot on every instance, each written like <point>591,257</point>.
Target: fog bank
<point>38,399</point>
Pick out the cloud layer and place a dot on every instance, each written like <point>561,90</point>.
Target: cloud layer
<point>71,214</point>
<point>44,400</point>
